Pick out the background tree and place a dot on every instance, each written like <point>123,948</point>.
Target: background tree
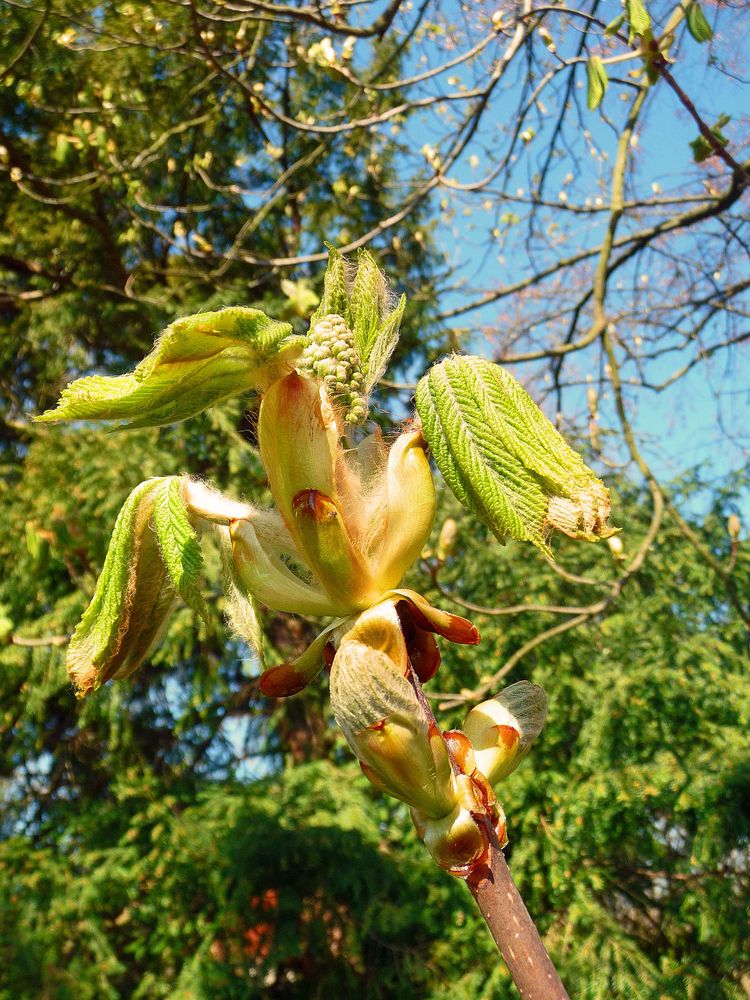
<point>180,835</point>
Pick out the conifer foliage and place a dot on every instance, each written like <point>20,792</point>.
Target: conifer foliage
<point>180,834</point>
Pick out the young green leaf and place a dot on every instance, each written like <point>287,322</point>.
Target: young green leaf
<point>368,300</point>
<point>503,459</point>
<point>702,148</point>
<point>179,544</point>
<point>335,298</point>
<point>132,601</point>
<point>697,24</point>
<point>597,82</point>
<point>195,363</point>
<point>383,345</point>
<point>614,26</point>
<point>639,19</point>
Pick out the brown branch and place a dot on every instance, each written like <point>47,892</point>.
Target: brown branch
<point>433,569</point>
<point>26,43</point>
<point>50,640</point>
<point>515,934</point>
<point>721,151</point>
<point>339,26</point>
<point>633,241</point>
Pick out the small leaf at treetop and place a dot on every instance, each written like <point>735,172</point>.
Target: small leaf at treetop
<point>702,148</point>
<point>697,24</point>
<point>638,18</point>
<point>614,26</point>
<point>503,459</point>
<point>597,82</point>
<point>196,362</point>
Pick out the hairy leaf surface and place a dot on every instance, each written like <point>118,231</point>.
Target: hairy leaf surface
<point>179,544</point>
<point>196,362</point>
<point>503,459</point>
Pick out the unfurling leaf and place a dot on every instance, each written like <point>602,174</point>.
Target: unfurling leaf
<point>614,26</point>
<point>598,81</point>
<point>639,19</point>
<point>153,558</point>
<point>503,459</point>
<point>335,298</point>
<point>132,602</point>
<point>383,344</point>
<point>179,544</point>
<point>196,362</point>
<point>697,24</point>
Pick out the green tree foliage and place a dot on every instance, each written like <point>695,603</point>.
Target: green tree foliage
<point>630,819</point>
<point>135,866</point>
<point>137,183</point>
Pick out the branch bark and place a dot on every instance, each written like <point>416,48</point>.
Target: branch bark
<point>515,934</point>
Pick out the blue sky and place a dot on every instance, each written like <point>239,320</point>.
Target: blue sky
<point>686,425</point>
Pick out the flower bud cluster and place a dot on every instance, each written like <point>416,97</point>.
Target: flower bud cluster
<point>332,357</point>
<point>446,778</point>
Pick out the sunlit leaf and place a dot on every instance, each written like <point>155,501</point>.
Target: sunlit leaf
<point>196,362</point>
<point>697,24</point>
<point>638,17</point>
<point>503,459</point>
<point>597,82</point>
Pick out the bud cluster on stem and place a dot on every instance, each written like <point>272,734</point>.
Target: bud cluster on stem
<point>378,703</point>
<point>352,515</point>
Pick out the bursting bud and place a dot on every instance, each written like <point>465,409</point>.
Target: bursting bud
<point>400,750</point>
<point>503,459</point>
<point>461,840</point>
<point>734,526</point>
<point>353,332</point>
<point>616,547</point>
<point>503,729</point>
<point>358,518</point>
<point>457,841</point>
<point>447,539</point>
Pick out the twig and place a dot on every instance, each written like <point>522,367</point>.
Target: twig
<point>49,640</point>
<point>738,169</point>
<point>511,926</point>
